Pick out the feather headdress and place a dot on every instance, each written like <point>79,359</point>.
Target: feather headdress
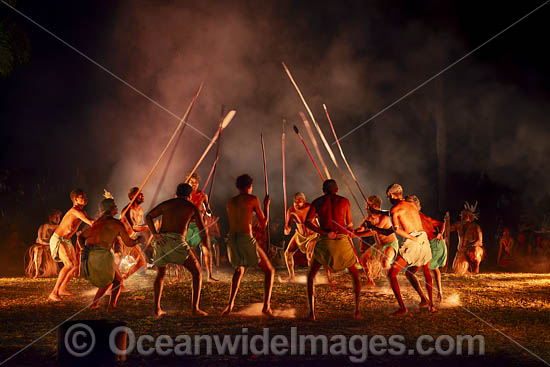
<point>471,209</point>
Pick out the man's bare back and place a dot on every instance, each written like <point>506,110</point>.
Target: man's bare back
<point>176,215</point>
<point>104,231</point>
<point>406,219</point>
<point>240,210</point>
<point>333,212</point>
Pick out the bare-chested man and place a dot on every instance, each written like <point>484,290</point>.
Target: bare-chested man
<point>334,248</point>
<point>39,253</point>
<point>415,252</point>
<point>470,250</point>
<point>435,231</point>
<point>61,247</point>
<point>506,250</point>
<point>170,246</point>
<point>379,225</point>
<point>242,248</point>
<point>193,238</point>
<point>98,261</point>
<point>132,220</point>
<point>304,238</point>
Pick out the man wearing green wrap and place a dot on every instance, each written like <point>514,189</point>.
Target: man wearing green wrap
<point>334,248</point>
<point>170,246</point>
<point>379,225</point>
<point>193,238</point>
<point>242,249</point>
<point>98,261</point>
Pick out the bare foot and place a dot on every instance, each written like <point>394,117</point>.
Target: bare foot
<point>401,311</point>
<point>440,298</point>
<point>65,293</point>
<point>227,310</point>
<point>268,312</point>
<point>94,306</point>
<point>199,312</point>
<point>160,312</point>
<point>370,284</point>
<point>54,297</point>
<point>212,279</point>
<point>311,316</point>
<point>432,309</point>
<point>423,304</point>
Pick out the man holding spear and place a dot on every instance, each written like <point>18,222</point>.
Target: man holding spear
<point>200,200</point>
<point>242,249</point>
<point>334,248</point>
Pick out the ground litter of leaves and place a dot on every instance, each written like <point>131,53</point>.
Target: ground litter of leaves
<point>511,311</point>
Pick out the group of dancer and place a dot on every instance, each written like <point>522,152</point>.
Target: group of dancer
<point>324,230</point>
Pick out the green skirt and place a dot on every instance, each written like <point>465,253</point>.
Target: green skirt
<point>439,254</point>
<point>99,266</point>
<point>337,254</point>
<point>175,250</point>
<point>241,250</point>
<point>193,237</point>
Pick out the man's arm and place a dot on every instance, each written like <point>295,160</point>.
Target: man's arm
<point>41,235</point>
<point>154,213</point>
<point>83,236</point>
<point>81,214</point>
<point>123,235</point>
<point>288,221</point>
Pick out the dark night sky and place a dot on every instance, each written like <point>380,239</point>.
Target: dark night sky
<point>60,112</point>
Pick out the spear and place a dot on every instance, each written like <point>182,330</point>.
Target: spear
<point>315,145</point>
<point>268,237</point>
<point>284,165</point>
<point>342,153</point>
<point>225,122</point>
<point>308,152</point>
<point>180,125</point>
<point>217,154</point>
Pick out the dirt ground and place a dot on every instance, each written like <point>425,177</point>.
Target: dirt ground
<point>511,312</point>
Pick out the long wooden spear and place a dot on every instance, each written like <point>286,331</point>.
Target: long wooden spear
<point>217,154</point>
<point>342,153</point>
<point>225,122</point>
<point>308,152</point>
<point>181,123</point>
<point>315,145</point>
<point>268,234</point>
<point>284,165</point>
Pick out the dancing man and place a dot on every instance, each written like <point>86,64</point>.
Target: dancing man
<point>242,248</point>
<point>334,248</point>
<point>61,247</point>
<point>170,246</point>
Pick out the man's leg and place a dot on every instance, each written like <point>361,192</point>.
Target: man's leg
<point>37,254</point>
<point>159,284</point>
<point>72,257</point>
<point>437,276</point>
<point>289,259</point>
<point>116,289</point>
<point>235,282</point>
<point>67,268</point>
<point>428,277</point>
<point>365,260</point>
<point>192,264</point>
<point>269,274</point>
<point>207,256</point>
<point>138,255</point>
<point>410,274</point>
<point>389,255</point>
<point>313,269</point>
<point>356,287</point>
<point>397,266</point>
